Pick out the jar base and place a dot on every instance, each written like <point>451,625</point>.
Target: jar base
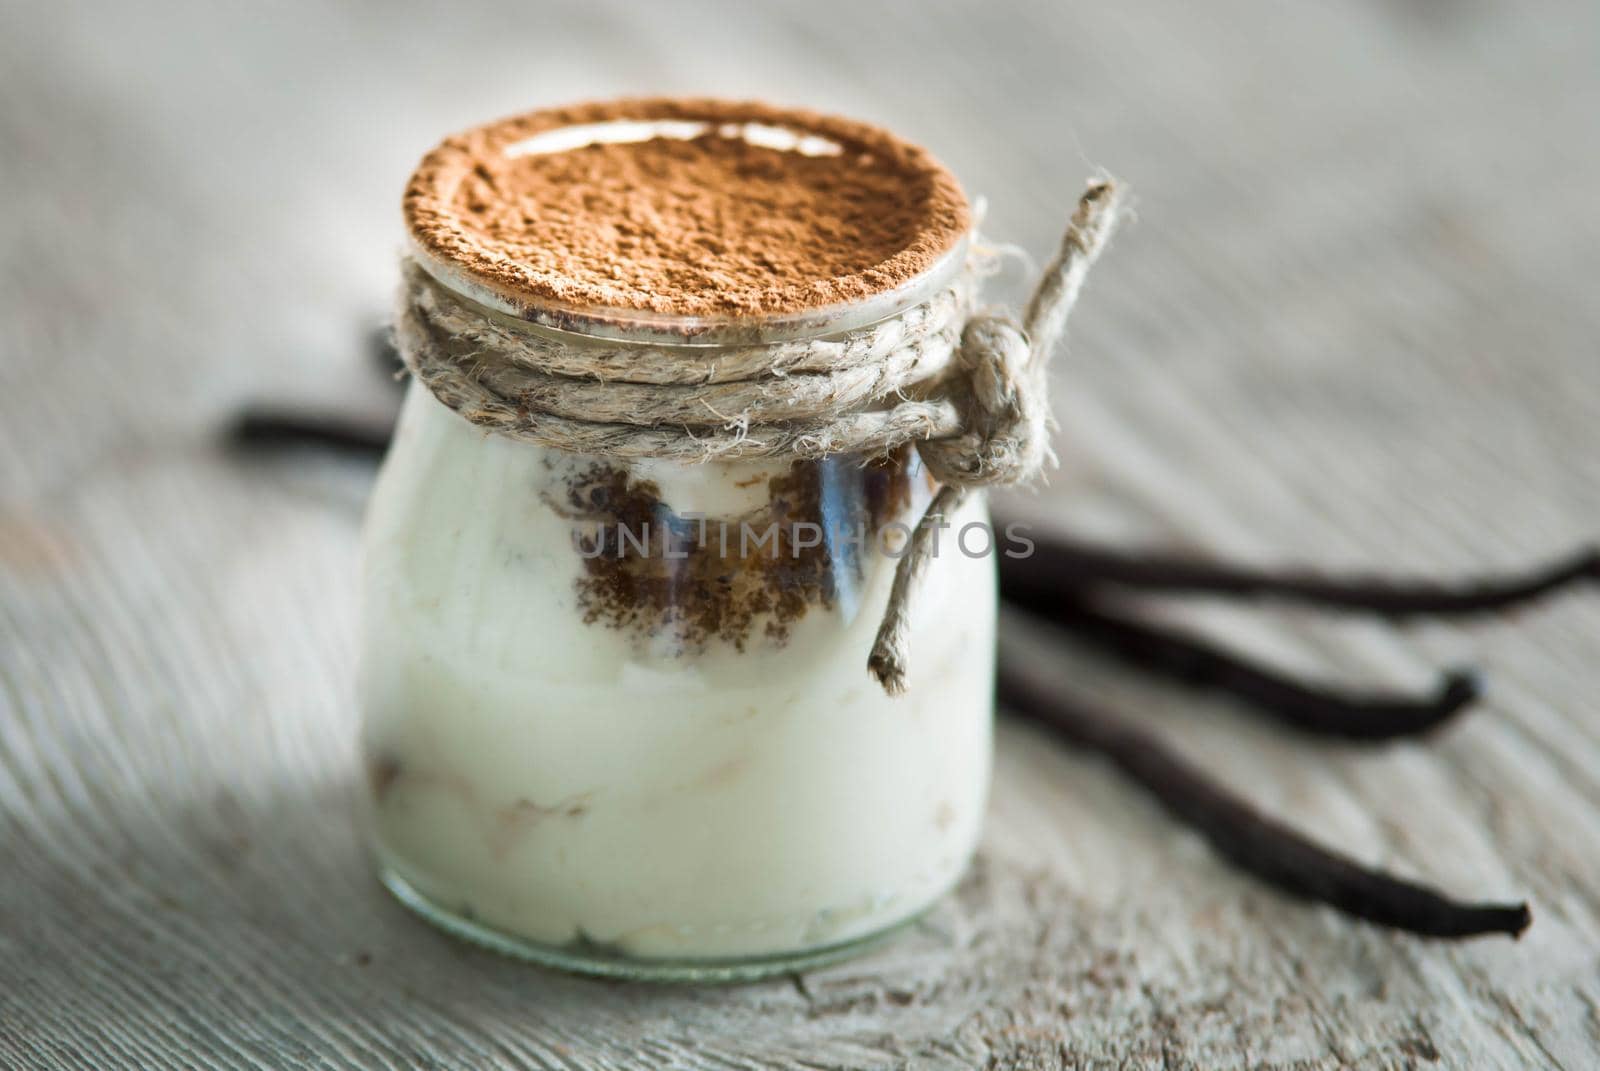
<point>603,962</point>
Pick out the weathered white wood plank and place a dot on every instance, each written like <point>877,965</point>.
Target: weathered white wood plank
<point>1354,324</point>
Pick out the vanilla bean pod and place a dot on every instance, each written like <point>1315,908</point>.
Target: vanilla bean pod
<point>1317,709</point>
<point>268,427</point>
<point>255,428</point>
<point>1252,841</point>
<point>1060,566</point>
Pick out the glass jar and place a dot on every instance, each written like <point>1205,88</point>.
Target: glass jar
<point>617,715</point>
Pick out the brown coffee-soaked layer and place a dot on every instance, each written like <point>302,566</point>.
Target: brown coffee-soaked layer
<point>682,584</point>
<point>712,224</point>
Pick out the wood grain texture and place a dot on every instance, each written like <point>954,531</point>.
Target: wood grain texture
<point>1354,324</point>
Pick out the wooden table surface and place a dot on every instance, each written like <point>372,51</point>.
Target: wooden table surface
<point>1354,323</point>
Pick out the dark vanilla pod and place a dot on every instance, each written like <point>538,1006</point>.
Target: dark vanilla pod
<point>274,428</point>
<point>1240,833</point>
<point>1312,708</point>
<point>1063,566</point>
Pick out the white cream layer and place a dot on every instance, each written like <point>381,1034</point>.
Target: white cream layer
<point>558,783</point>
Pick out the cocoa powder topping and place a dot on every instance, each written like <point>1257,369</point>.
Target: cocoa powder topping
<point>729,209</point>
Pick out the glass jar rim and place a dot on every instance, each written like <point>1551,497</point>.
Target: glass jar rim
<point>648,326</point>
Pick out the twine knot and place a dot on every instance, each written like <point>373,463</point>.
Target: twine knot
<point>969,390</point>
<point>1003,414</point>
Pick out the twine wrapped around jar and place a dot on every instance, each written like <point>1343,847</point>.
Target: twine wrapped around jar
<point>968,388</point>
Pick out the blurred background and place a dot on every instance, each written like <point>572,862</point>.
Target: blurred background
<point>1354,210</point>
<point>1354,322</point>
<point>1369,211</point>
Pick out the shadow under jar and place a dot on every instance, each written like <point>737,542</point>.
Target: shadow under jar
<point>616,712</point>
